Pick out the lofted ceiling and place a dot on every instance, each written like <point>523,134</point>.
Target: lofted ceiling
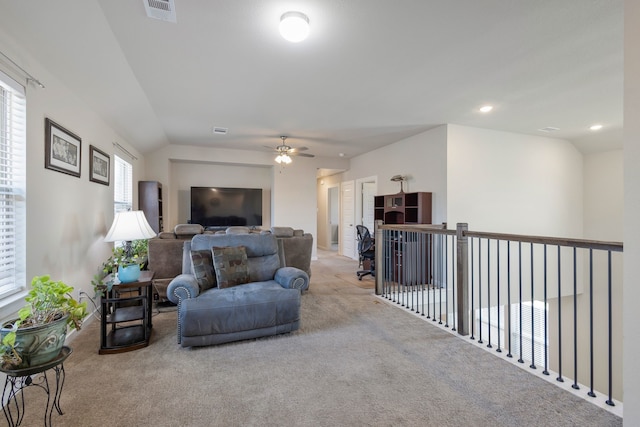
<point>371,73</point>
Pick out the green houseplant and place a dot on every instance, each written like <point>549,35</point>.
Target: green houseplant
<point>118,258</point>
<point>37,335</point>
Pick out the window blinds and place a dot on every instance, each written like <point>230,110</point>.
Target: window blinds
<point>123,185</point>
<point>12,186</point>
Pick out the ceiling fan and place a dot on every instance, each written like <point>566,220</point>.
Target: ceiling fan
<point>285,151</point>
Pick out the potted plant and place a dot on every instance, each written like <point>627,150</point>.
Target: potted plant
<point>38,334</point>
<point>118,259</point>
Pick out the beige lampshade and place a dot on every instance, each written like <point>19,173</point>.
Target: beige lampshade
<point>130,225</point>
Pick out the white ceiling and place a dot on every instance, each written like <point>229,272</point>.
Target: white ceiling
<point>371,73</point>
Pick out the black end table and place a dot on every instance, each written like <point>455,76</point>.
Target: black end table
<point>125,322</point>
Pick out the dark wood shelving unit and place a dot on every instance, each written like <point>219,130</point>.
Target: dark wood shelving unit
<point>406,208</point>
<point>150,202</point>
<point>403,208</point>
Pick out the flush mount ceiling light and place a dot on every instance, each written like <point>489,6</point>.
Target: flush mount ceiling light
<point>294,26</point>
<point>486,108</point>
<point>596,127</point>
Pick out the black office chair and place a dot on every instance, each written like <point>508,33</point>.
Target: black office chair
<point>366,250</point>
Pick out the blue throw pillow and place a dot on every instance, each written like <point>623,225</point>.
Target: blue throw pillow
<point>231,266</point>
<point>202,266</point>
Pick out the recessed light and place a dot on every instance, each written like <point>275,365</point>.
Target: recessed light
<point>596,127</point>
<point>486,108</point>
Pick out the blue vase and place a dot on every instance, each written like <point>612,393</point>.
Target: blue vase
<point>128,273</point>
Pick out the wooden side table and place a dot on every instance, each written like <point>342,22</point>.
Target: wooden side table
<point>19,379</point>
<point>125,323</point>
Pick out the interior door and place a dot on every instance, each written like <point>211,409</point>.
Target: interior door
<point>347,223</point>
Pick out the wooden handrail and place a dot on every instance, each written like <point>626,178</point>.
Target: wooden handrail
<point>554,241</point>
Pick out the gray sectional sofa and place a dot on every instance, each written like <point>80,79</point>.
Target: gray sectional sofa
<point>267,304</point>
<point>165,251</point>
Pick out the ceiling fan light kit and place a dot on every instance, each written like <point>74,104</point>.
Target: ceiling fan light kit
<point>283,158</point>
<point>294,26</point>
<point>285,152</point>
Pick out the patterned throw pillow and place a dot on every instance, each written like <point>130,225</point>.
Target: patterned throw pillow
<point>202,266</point>
<point>230,264</point>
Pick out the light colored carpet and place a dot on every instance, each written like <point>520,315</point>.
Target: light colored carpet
<point>356,361</point>
<point>367,282</point>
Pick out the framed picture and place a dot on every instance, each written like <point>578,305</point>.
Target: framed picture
<point>62,149</point>
<point>99,166</point>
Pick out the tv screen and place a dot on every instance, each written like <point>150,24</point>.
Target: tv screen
<point>226,207</point>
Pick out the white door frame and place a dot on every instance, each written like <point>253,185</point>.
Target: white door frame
<point>358,196</point>
<point>347,233</point>
<point>330,207</point>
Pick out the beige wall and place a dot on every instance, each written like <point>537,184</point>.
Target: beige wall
<point>422,158</point>
<point>631,317</point>
<point>322,192</point>
<point>185,175</point>
<point>293,201</point>
<point>512,183</point>
<point>67,217</point>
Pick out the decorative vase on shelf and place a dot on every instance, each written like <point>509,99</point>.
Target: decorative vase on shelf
<point>128,273</point>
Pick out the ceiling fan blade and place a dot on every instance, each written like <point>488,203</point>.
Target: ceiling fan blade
<point>301,154</point>
<point>301,149</point>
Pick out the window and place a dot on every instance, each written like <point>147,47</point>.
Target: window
<point>533,331</point>
<point>12,186</point>
<point>123,185</point>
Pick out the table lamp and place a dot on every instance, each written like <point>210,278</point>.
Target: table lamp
<point>128,226</point>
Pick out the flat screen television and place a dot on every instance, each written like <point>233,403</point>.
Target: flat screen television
<point>226,207</point>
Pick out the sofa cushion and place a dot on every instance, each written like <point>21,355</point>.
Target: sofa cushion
<point>202,267</point>
<point>231,266</point>
<point>186,231</point>
<point>282,231</point>
<point>238,229</point>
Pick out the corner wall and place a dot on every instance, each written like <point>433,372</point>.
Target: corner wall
<point>631,290</point>
<point>513,183</point>
<point>67,217</point>
<point>422,158</point>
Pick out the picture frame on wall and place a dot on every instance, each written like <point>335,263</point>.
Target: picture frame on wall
<point>63,149</point>
<point>99,165</point>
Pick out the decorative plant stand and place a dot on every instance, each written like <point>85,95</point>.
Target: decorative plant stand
<point>19,379</point>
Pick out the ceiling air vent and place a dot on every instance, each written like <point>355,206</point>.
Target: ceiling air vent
<point>549,129</point>
<point>220,131</point>
<point>164,10</point>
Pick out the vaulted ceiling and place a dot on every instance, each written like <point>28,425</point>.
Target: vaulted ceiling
<point>372,72</point>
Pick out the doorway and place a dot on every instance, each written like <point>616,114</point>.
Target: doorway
<point>333,214</point>
<point>347,223</point>
<point>365,202</point>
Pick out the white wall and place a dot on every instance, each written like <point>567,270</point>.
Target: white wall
<point>512,183</point>
<point>325,217</point>
<point>631,317</point>
<point>185,175</point>
<point>67,217</point>
<point>422,158</point>
<point>604,196</point>
<point>293,187</point>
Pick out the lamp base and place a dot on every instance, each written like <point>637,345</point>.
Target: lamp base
<point>129,273</point>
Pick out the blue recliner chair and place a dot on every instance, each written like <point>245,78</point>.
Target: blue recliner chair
<point>267,304</point>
